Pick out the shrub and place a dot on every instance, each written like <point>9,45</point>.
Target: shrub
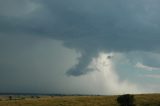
<point>10,97</point>
<point>126,100</point>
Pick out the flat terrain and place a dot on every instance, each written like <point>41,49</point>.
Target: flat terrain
<point>140,100</point>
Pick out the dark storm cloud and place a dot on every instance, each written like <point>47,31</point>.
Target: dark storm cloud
<point>89,26</point>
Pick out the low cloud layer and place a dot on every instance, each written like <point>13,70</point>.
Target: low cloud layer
<point>153,76</point>
<point>148,68</point>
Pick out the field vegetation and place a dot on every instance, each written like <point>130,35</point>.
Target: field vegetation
<point>140,100</point>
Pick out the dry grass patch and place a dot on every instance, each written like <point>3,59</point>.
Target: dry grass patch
<point>140,100</point>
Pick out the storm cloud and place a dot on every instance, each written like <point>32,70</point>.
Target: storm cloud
<point>88,26</point>
<point>48,45</point>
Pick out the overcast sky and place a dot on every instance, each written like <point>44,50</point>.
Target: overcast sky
<point>80,46</point>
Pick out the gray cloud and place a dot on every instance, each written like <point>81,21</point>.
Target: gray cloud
<point>88,26</point>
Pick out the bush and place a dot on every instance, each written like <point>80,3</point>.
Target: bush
<point>126,100</point>
<point>10,97</point>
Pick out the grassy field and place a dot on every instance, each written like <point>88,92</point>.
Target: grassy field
<point>140,100</point>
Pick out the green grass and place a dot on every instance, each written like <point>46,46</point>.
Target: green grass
<point>140,100</point>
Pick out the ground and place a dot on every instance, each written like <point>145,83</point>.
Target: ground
<point>140,100</point>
